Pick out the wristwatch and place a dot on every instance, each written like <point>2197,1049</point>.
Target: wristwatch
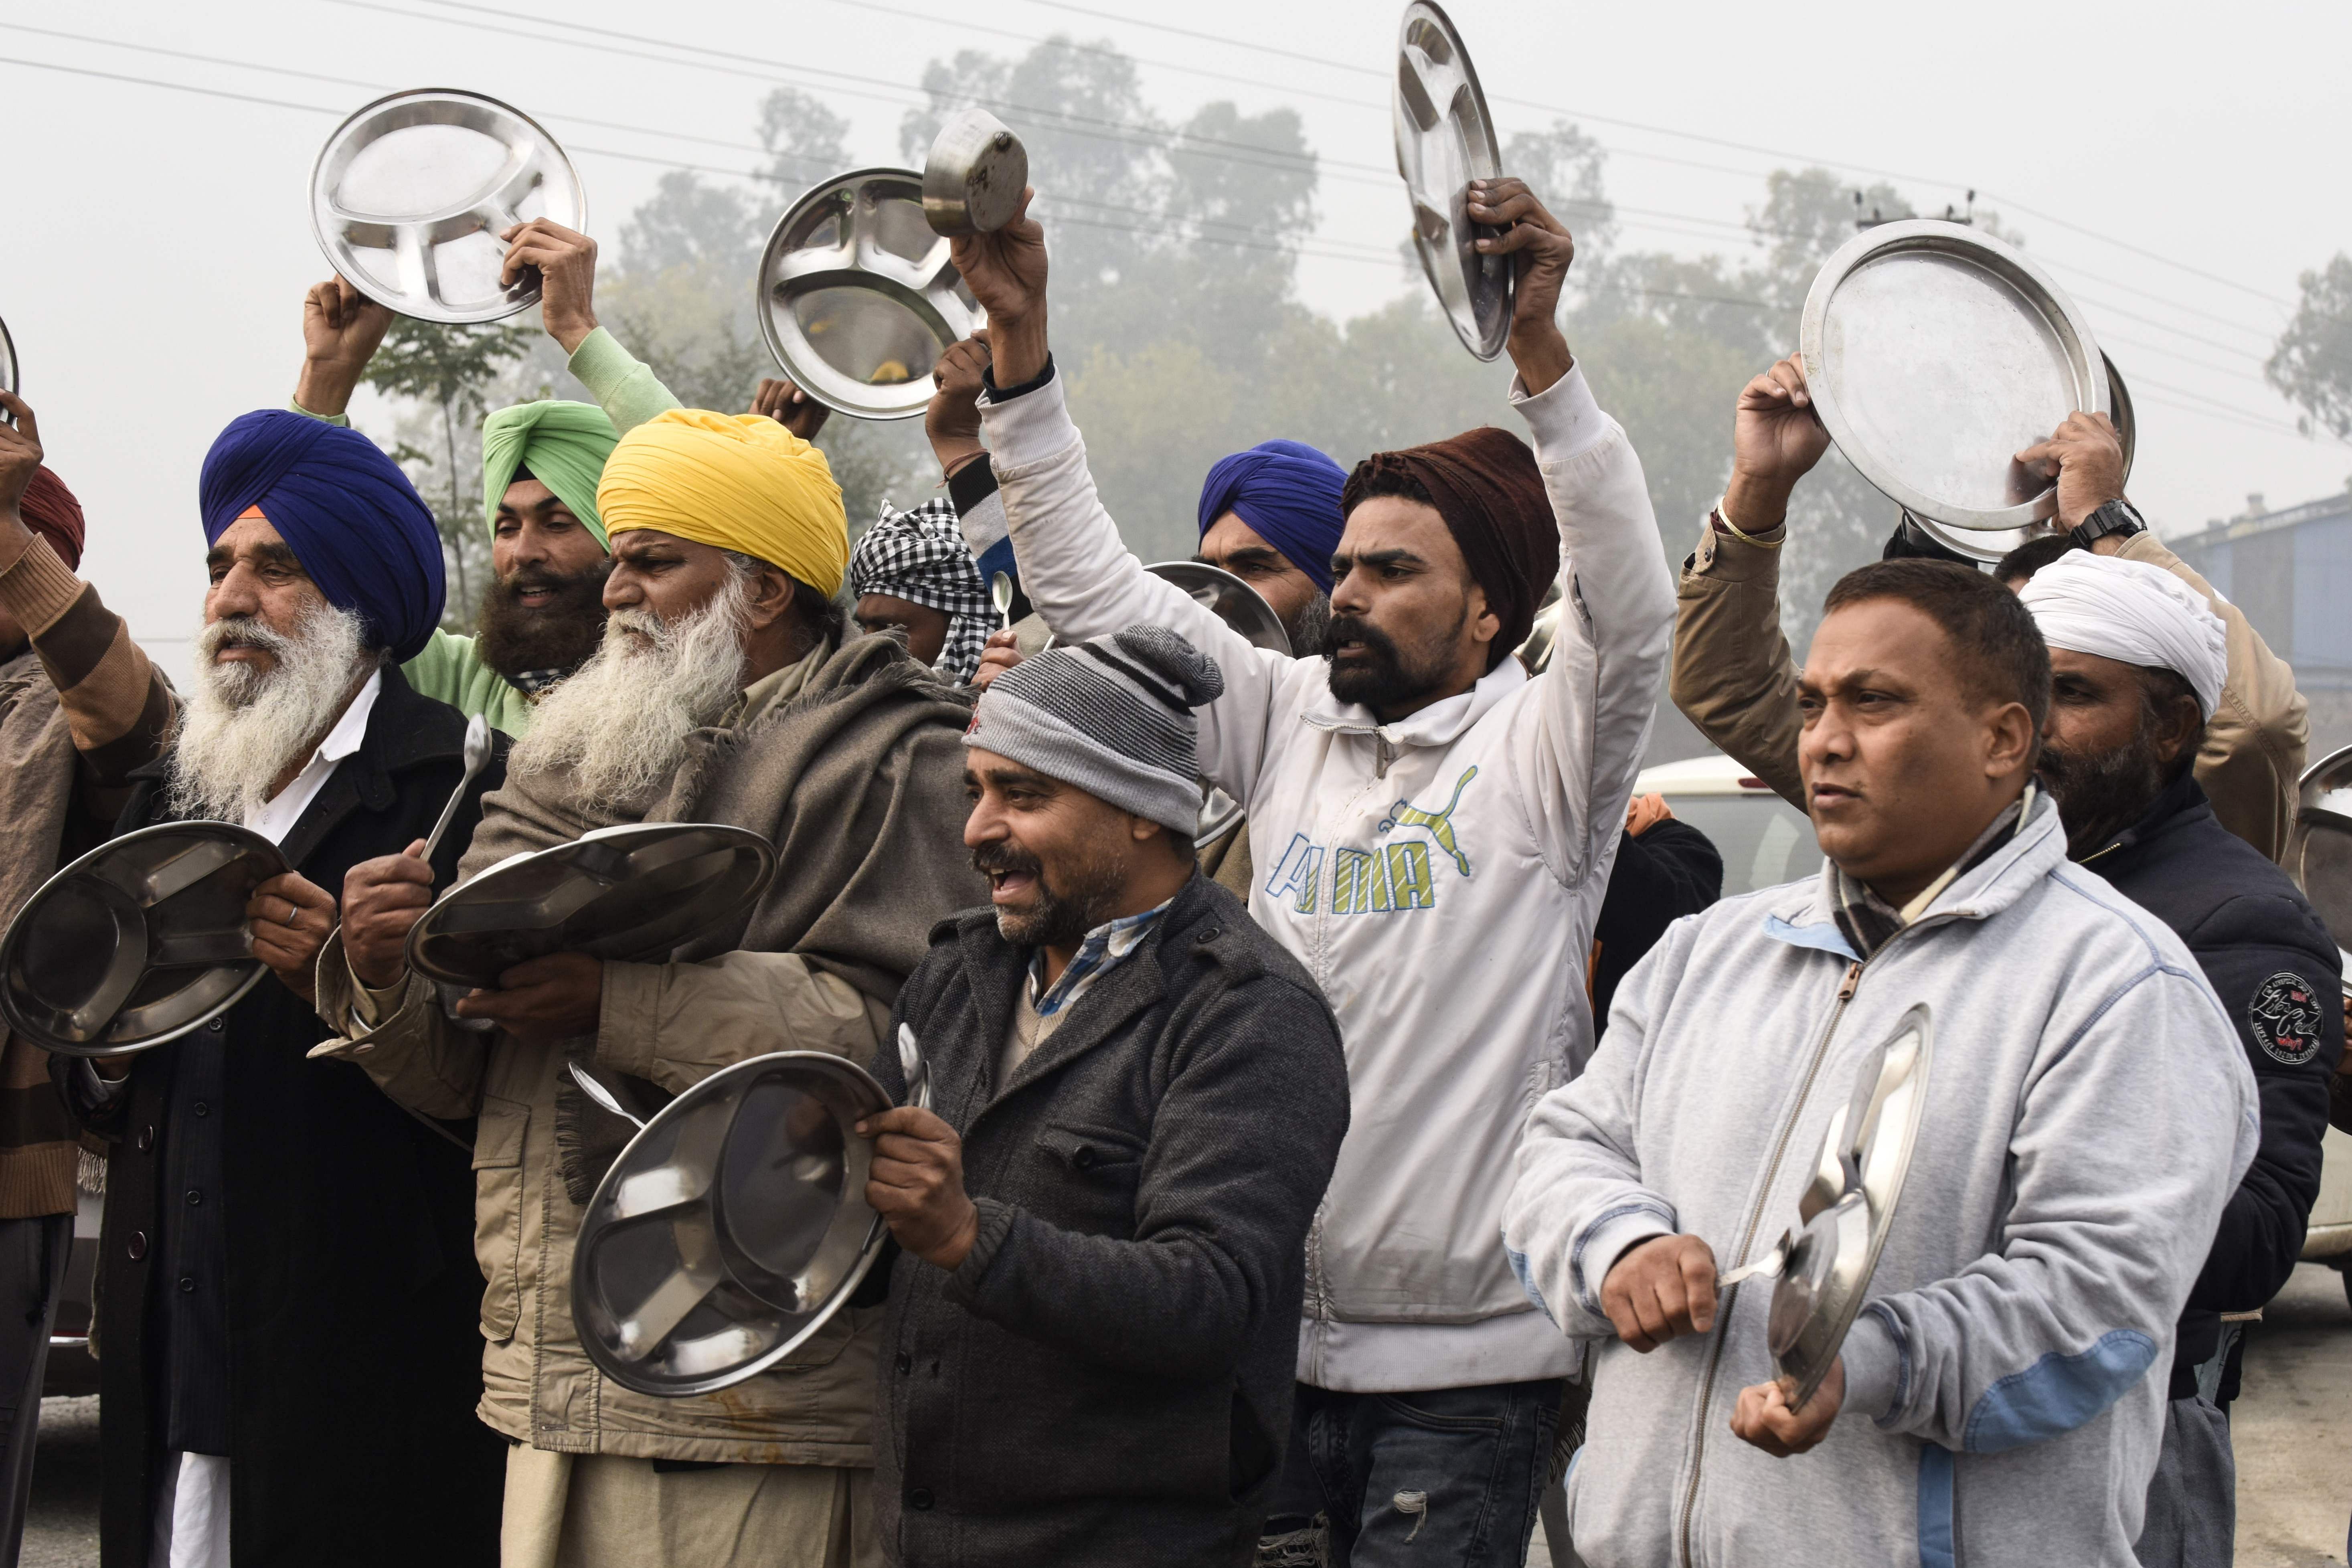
<point>2117,517</point>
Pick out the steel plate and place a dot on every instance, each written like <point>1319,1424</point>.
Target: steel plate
<point>731,1228</point>
<point>410,195</point>
<point>1934,354</point>
<point>138,942</point>
<point>1444,140</point>
<point>974,174</point>
<point>628,894</point>
<point>2320,846</point>
<point>1991,544</point>
<point>857,297</point>
<point>8,362</point>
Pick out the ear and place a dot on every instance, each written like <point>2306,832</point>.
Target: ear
<point>2009,739</point>
<point>1142,829</point>
<point>1485,626</point>
<point>772,597</point>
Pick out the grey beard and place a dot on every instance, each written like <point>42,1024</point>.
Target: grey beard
<point>240,729</point>
<point>1306,628</point>
<point>621,722</point>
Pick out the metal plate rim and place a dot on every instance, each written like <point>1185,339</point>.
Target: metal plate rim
<point>200,827</point>
<point>1981,250</point>
<point>708,1088</point>
<point>13,381</point>
<point>404,304</point>
<point>1492,335</point>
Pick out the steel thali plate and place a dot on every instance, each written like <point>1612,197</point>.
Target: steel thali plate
<point>1934,354</point>
<point>410,195</point>
<point>1991,545</point>
<point>630,892</point>
<point>1444,140</point>
<point>857,297</point>
<point>8,362</point>
<point>732,1228</point>
<point>138,942</point>
<point>2320,846</point>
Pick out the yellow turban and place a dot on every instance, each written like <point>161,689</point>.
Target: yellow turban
<point>739,481</point>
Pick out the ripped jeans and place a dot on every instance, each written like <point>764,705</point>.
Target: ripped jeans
<point>1443,1476</point>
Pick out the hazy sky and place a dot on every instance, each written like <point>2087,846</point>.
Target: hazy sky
<point>158,243</point>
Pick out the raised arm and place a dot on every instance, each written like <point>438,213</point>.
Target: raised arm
<point>1074,568</point>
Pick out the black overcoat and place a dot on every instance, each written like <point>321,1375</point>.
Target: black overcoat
<point>352,1298</point>
<point>1105,1382</point>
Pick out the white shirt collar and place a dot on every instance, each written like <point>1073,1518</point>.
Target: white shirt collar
<point>277,816</point>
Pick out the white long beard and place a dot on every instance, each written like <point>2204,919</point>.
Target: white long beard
<point>621,720</point>
<point>242,727</point>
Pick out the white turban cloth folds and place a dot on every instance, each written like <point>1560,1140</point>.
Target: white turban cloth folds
<point>2132,612</point>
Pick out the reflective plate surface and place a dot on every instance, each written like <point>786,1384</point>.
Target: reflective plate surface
<point>1444,140</point>
<point>1991,545</point>
<point>410,195</point>
<point>1849,1208</point>
<point>974,174</point>
<point>2319,846</point>
<point>8,361</point>
<point>138,941</point>
<point>1934,354</point>
<point>631,892</point>
<point>857,297</point>
<point>1245,610</point>
<point>731,1228</point>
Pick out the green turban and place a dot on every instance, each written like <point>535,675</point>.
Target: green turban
<point>564,445</point>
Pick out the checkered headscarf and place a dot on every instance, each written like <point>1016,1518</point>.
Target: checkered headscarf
<point>920,556</point>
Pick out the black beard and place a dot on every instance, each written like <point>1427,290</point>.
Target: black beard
<point>2100,796</point>
<point>559,636</point>
<point>1386,681</point>
<point>1060,919</point>
<point>1306,628</point>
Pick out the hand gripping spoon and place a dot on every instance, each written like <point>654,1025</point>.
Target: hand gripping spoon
<point>1000,593</point>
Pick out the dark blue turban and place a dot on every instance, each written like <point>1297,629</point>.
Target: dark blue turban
<point>346,510</point>
<point>1289,494</point>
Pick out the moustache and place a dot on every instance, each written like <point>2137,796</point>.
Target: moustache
<point>242,631</point>
<point>999,858</point>
<point>537,579</point>
<point>1356,629</point>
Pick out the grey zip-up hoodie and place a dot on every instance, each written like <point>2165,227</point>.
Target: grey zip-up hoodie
<point>2089,1111</point>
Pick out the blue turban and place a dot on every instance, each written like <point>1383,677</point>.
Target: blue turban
<point>1289,494</point>
<point>349,514</point>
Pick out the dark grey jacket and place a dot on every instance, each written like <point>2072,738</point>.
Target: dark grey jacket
<point>1106,1377</point>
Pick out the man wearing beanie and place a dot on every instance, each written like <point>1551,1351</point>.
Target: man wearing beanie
<point>1432,829</point>
<point>1135,1097</point>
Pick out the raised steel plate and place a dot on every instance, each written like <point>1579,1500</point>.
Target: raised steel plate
<point>410,195</point>
<point>1444,140</point>
<point>731,1228</point>
<point>1849,1207</point>
<point>1934,354</point>
<point>974,174</point>
<point>2319,846</point>
<point>8,361</point>
<point>857,297</point>
<point>138,942</point>
<point>631,892</point>
<point>1991,545</point>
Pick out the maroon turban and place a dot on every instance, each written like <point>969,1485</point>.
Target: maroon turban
<point>50,511</point>
<point>1485,485</point>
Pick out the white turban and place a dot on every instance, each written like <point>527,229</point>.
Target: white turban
<point>2130,611</point>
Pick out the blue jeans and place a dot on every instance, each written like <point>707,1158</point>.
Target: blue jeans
<point>1443,1476</point>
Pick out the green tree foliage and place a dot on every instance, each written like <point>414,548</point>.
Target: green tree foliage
<point>2312,362</point>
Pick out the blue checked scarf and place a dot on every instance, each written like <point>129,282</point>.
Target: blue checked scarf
<point>920,556</point>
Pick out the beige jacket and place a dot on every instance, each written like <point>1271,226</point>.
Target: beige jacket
<point>1734,677</point>
<point>865,740</point>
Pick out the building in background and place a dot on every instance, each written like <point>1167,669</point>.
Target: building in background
<point>2291,572</point>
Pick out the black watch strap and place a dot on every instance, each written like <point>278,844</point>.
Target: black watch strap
<point>2116,517</point>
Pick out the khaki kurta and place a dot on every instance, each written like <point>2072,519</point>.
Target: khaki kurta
<point>1734,676</point>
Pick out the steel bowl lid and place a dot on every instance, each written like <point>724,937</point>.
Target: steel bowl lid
<point>857,297</point>
<point>410,195</point>
<point>138,942</point>
<point>974,174</point>
<point>1991,544</point>
<point>1934,354</point>
<point>1444,140</point>
<point>1243,608</point>
<point>731,1228</point>
<point>631,892</point>
<point>1834,1253</point>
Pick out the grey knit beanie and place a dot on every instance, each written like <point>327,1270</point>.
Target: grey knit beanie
<point>1112,715</point>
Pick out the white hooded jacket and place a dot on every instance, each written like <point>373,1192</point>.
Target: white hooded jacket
<point>1439,876</point>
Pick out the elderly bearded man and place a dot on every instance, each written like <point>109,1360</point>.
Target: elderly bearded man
<point>542,615</point>
<point>2087,1113</point>
<point>1432,829</point>
<point>723,692</point>
<point>1138,1095</point>
<point>284,1303</point>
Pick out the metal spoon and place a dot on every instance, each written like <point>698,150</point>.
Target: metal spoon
<point>1000,593</point>
<point>1770,1264</point>
<point>477,751</point>
<point>595,1090</point>
<point>917,1071</point>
